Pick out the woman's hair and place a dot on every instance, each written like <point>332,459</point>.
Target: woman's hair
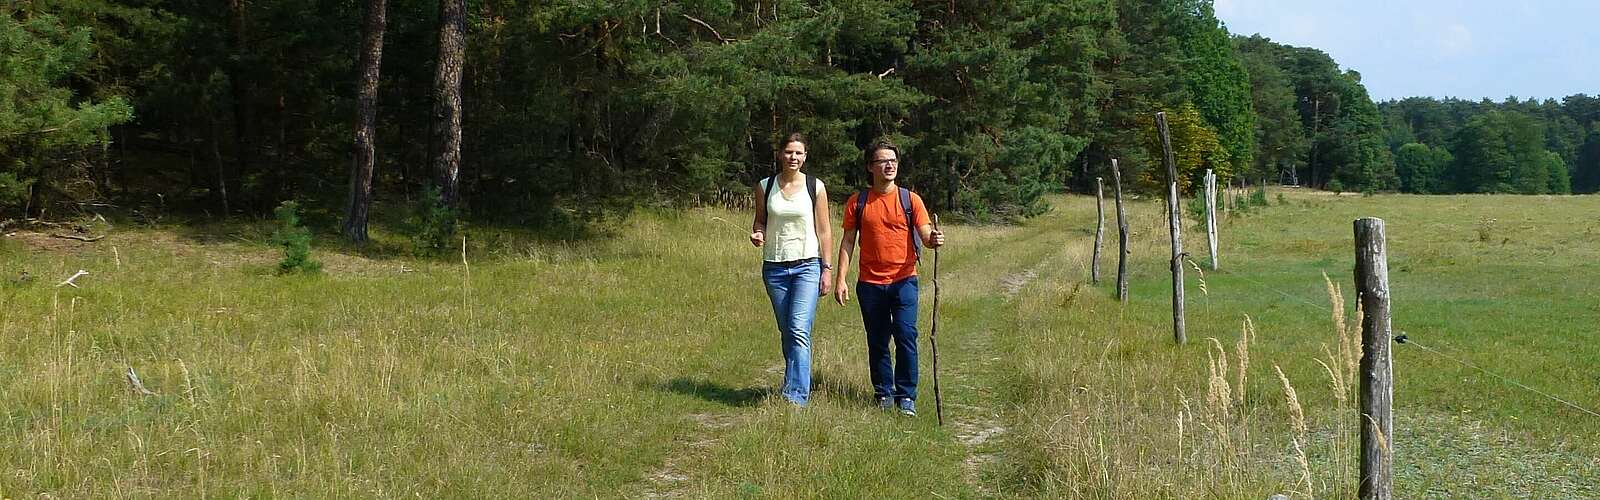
<point>871,152</point>
<point>794,137</point>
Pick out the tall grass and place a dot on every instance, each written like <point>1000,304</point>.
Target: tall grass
<point>1140,409</point>
<point>641,364</point>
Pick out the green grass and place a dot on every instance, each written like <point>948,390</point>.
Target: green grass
<point>642,363</point>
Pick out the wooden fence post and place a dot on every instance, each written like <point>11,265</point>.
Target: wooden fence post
<point>1175,225</point>
<point>1211,215</point>
<point>1099,228</point>
<point>1122,236</point>
<point>1377,363</point>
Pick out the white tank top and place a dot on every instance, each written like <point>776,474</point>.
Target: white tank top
<point>791,225</point>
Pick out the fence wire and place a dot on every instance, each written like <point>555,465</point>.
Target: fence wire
<point>1405,340</point>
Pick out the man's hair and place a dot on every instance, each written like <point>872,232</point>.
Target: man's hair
<point>871,152</point>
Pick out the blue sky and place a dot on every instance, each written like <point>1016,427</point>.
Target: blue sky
<point>1469,49</point>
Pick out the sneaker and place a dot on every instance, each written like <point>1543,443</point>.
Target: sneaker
<point>884,404</point>
<point>908,407</point>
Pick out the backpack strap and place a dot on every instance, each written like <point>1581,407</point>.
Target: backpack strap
<point>905,203</point>
<point>861,206</point>
<point>811,187</point>
<point>766,198</point>
<point>911,223</point>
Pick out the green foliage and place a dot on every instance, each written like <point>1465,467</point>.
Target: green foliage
<point>1218,83</point>
<point>295,240</point>
<point>1195,149</point>
<point>1586,174</point>
<point>1258,196</point>
<point>1500,152</point>
<point>1556,172</point>
<point>592,108</point>
<point>13,191</point>
<point>1280,140</point>
<point>434,227</point>
<point>1503,142</point>
<point>1196,209</point>
<point>43,119</point>
<point>1422,168</point>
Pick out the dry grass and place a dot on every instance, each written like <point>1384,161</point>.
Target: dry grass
<point>639,366</point>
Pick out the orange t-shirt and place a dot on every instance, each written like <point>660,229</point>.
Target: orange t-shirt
<point>886,252</point>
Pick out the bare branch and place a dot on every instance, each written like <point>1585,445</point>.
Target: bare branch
<point>708,27</point>
<point>70,281</point>
<point>136,385</point>
<point>79,238</point>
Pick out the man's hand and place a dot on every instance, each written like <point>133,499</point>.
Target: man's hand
<point>758,237</point>
<point>841,293</point>
<point>938,239</point>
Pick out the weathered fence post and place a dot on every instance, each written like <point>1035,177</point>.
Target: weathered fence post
<point>1122,236</point>
<point>1211,215</point>
<point>1175,225</point>
<point>1099,228</point>
<point>1377,364</point>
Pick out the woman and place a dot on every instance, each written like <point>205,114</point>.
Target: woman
<point>791,226</point>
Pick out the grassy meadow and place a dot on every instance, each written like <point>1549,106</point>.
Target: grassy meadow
<point>640,363</point>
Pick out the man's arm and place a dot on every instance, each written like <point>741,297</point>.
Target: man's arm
<point>931,236</point>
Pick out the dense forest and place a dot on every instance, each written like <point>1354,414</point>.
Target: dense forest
<point>554,111</point>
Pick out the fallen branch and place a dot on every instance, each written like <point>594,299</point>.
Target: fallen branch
<point>90,239</point>
<point>136,385</point>
<point>885,73</point>
<point>69,281</point>
<point>41,222</point>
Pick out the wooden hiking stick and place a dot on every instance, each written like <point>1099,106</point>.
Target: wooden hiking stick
<point>933,332</point>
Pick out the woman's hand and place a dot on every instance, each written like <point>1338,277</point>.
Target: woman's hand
<point>827,281</point>
<point>758,237</point>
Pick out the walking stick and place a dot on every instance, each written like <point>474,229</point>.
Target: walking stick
<point>933,332</point>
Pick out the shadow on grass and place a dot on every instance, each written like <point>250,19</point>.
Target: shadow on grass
<point>715,392</point>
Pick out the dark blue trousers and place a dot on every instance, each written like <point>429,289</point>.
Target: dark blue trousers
<point>890,315</point>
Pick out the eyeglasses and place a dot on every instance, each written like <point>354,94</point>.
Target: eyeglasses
<point>886,161</point>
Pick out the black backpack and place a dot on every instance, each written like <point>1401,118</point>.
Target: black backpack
<point>905,203</point>
<point>811,188</point>
<point>811,193</point>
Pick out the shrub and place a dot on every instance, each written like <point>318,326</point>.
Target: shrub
<point>434,226</point>
<point>295,240</point>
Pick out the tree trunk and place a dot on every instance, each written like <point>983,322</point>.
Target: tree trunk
<point>447,98</point>
<point>222,169</point>
<point>355,220</point>
<point>241,86</point>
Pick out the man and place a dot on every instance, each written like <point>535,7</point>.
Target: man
<point>884,217</point>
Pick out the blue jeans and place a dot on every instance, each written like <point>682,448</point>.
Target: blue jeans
<point>890,313</point>
<point>793,290</point>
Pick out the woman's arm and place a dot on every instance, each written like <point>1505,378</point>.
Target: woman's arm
<point>758,227</point>
<point>824,236</point>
